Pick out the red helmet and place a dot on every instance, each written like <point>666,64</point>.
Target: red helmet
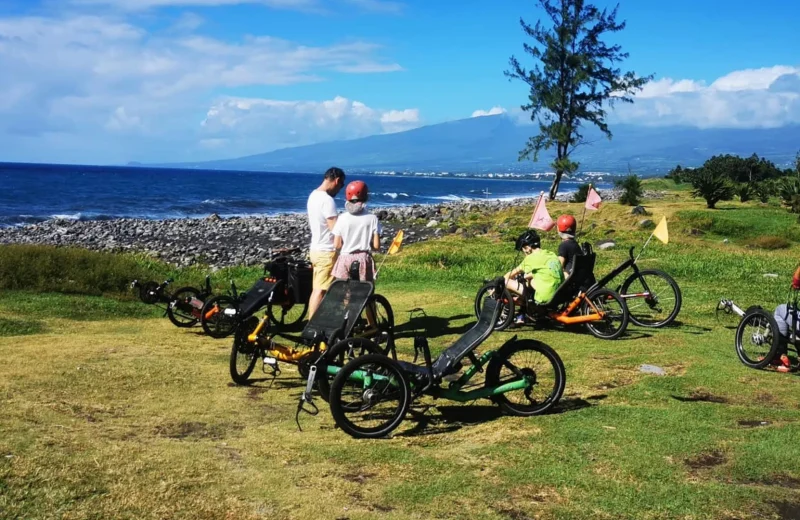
<point>356,192</point>
<point>796,280</point>
<point>566,224</point>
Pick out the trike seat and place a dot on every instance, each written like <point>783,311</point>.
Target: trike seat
<point>339,310</point>
<point>468,342</point>
<point>582,275</point>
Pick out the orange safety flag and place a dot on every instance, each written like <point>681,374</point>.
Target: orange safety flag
<point>541,218</point>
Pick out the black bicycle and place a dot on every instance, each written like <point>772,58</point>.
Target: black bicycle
<point>652,296</point>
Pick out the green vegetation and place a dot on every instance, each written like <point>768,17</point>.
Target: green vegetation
<point>631,187</point>
<point>574,78</point>
<point>110,411</point>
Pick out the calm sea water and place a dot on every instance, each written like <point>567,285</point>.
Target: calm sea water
<point>32,193</point>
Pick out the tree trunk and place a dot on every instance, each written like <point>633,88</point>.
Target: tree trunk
<point>554,186</point>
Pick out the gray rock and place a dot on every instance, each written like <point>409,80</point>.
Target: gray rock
<point>639,210</point>
<point>652,369</point>
<point>605,244</point>
<point>770,275</point>
<point>432,223</point>
<point>646,223</point>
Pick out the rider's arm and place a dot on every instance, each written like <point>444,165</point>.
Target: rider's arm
<point>376,242</point>
<point>337,242</point>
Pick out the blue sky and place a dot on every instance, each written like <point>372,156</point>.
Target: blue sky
<point>108,81</point>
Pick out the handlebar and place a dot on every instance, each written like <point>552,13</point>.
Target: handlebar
<point>630,252</point>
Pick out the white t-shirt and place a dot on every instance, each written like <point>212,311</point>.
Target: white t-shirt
<point>356,231</point>
<point>320,207</point>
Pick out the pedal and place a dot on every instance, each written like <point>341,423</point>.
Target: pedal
<point>272,363</point>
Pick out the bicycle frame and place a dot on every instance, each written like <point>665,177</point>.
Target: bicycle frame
<point>564,316</point>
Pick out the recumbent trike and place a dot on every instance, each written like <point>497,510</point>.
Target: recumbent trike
<point>379,390</point>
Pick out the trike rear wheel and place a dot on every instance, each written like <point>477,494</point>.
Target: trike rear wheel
<point>215,322</point>
<point>382,332</point>
<point>180,311</point>
<point>757,338</point>
<point>616,317</point>
<point>653,298</point>
<point>537,362</point>
<point>506,315</point>
<point>372,388</point>
<point>287,314</point>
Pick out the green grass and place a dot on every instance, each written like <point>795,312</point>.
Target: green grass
<point>111,411</point>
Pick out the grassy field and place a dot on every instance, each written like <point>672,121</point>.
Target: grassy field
<point>109,411</point>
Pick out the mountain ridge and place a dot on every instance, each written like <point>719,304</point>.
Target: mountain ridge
<point>492,143</point>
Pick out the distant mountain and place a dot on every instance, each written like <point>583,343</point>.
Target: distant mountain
<point>492,143</point>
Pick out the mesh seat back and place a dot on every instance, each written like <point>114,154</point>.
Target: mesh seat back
<point>344,299</point>
<point>582,276</point>
<point>471,339</point>
<point>256,296</point>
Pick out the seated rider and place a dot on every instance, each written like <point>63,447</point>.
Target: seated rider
<point>569,248</point>
<point>784,316</point>
<point>542,270</point>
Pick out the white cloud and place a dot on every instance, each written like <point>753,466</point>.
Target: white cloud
<point>84,80</point>
<point>491,112</point>
<point>767,97</point>
<point>250,123</point>
<point>319,6</point>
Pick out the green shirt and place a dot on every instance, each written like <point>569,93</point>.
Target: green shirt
<point>546,271</point>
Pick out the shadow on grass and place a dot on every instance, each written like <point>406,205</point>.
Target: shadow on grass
<point>453,418</point>
<point>419,323</point>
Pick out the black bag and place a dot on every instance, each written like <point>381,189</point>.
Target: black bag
<point>300,281</point>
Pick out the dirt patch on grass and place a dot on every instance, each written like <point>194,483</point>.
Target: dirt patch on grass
<point>752,424</point>
<point>254,392</point>
<point>193,430</point>
<point>784,481</point>
<point>358,477</point>
<point>614,383</point>
<point>787,510</point>
<point>513,513</point>
<point>705,460</point>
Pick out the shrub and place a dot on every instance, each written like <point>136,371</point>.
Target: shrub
<point>711,186</point>
<point>631,190</point>
<point>745,192</point>
<point>581,194</point>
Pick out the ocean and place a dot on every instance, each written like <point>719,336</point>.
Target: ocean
<point>31,193</point>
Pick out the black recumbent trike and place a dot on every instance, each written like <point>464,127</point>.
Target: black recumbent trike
<point>183,307</point>
<point>370,394</point>
<point>348,309</point>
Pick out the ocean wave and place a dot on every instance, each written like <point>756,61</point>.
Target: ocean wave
<point>394,195</point>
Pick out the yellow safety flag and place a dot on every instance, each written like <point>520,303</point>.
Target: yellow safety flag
<point>661,232</point>
<point>396,243</point>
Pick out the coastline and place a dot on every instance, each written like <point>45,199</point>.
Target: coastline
<point>246,240</point>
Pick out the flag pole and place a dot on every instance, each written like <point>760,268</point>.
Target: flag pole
<point>584,212</point>
<point>644,246</point>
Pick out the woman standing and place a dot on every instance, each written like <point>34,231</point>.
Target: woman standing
<point>356,234</point>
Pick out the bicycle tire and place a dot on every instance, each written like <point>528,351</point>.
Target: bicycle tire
<point>597,297</point>
<point>636,318</point>
<point>770,337</point>
<point>181,317</point>
<point>503,320</point>
<point>219,325</point>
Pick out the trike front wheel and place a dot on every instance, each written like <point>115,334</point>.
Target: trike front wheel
<point>506,301</point>
<point>244,354</point>
<point>337,356</point>
<point>536,362</point>
<point>214,319</point>
<point>757,338</point>
<point>181,310</point>
<point>370,396</point>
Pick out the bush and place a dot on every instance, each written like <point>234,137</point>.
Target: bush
<point>711,186</point>
<point>67,270</point>
<point>631,187</point>
<point>744,191</point>
<point>581,194</point>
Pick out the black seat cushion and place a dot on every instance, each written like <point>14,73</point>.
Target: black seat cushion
<point>344,299</point>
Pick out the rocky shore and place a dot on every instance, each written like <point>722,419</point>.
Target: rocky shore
<point>221,242</point>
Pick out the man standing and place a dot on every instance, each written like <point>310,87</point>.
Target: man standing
<point>321,218</point>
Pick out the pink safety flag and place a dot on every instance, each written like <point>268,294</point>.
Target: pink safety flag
<point>593,200</point>
<point>541,218</point>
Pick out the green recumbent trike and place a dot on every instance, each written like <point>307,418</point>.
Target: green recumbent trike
<point>378,390</point>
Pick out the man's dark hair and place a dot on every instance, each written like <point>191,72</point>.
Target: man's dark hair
<point>334,173</point>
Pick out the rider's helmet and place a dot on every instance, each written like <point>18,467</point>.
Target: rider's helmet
<point>356,192</point>
<point>796,280</point>
<point>528,238</point>
<point>566,226</point>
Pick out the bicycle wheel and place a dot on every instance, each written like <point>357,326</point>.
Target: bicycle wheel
<point>180,310</point>
<point>340,354</point>
<point>372,388</point>
<point>757,338</point>
<point>616,317</point>
<point>382,332</point>
<point>243,353</point>
<point>506,312</point>
<point>537,362</point>
<point>287,314</point>
<point>148,293</point>
<point>216,318</point>
<point>653,298</point>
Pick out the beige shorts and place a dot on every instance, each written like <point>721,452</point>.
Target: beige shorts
<point>322,261</point>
